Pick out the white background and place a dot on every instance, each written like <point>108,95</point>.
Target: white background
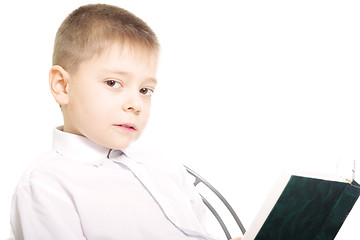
<point>247,89</point>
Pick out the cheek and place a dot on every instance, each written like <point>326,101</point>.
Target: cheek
<point>146,111</point>
<point>99,110</point>
<point>88,106</point>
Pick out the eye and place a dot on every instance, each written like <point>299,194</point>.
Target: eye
<point>146,91</point>
<point>113,84</point>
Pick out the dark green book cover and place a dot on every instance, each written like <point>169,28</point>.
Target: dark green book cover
<point>309,209</point>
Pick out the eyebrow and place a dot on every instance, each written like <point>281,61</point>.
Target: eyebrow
<point>127,74</point>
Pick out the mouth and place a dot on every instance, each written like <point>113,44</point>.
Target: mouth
<point>126,126</point>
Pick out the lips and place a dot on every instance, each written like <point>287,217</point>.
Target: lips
<point>126,126</point>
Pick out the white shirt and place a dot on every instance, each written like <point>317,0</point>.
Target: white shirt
<point>81,190</point>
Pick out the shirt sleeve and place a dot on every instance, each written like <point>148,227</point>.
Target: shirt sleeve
<point>40,211</point>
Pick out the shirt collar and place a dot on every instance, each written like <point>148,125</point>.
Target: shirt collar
<point>81,149</point>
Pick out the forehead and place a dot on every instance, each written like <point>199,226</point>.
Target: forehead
<point>124,54</point>
<point>129,60</point>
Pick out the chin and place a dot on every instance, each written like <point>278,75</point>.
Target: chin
<point>120,146</point>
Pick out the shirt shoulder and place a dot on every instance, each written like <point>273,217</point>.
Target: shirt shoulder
<point>37,168</point>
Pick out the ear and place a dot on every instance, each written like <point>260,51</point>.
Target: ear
<point>59,80</point>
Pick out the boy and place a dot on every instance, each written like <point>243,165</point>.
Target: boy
<point>88,186</point>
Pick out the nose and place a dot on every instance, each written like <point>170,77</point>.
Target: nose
<point>133,103</point>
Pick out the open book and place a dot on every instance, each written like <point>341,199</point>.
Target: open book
<point>304,206</point>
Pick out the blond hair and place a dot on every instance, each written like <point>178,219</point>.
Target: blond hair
<point>88,30</point>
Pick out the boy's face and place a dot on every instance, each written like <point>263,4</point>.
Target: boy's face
<point>109,97</point>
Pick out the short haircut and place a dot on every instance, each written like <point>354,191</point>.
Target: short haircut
<point>88,30</point>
